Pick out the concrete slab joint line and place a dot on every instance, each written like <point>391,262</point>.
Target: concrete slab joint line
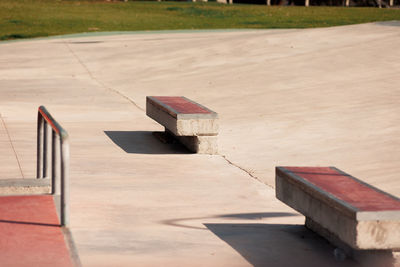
<point>12,145</point>
<point>351,214</point>
<point>246,171</point>
<point>100,82</point>
<point>194,125</point>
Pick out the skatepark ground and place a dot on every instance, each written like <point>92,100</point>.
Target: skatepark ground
<point>303,97</point>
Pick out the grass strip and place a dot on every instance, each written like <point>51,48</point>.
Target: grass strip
<point>39,18</point>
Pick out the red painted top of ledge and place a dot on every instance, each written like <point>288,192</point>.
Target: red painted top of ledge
<point>346,188</point>
<point>30,234</point>
<point>181,105</point>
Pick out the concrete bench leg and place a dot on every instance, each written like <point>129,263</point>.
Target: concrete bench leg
<point>205,144</point>
<point>368,258</point>
<point>200,144</point>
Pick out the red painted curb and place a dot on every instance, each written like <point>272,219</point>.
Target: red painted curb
<point>30,232</point>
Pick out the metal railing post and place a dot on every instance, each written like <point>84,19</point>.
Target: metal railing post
<point>39,149</point>
<point>55,164</point>
<point>64,182</point>
<point>45,150</point>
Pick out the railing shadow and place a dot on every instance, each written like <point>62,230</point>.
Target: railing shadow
<point>30,223</point>
<point>277,244</point>
<point>144,142</point>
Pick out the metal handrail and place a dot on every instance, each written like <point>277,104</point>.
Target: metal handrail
<point>59,159</point>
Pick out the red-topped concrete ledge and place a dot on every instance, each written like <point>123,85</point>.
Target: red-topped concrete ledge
<point>30,233</point>
<point>179,105</point>
<point>358,195</point>
<point>193,124</point>
<point>341,207</point>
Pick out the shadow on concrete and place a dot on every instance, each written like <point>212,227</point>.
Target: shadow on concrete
<point>257,215</point>
<point>144,142</point>
<point>277,244</point>
<point>184,222</point>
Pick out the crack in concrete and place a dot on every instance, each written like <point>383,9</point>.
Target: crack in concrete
<point>137,106</point>
<point>244,170</point>
<point>100,82</point>
<point>12,146</point>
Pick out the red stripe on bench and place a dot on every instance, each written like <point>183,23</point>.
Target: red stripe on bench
<point>181,105</point>
<point>346,188</point>
<point>30,234</point>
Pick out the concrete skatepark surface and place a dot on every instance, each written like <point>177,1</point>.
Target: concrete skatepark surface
<point>318,97</point>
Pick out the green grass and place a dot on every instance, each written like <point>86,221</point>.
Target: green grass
<point>36,18</point>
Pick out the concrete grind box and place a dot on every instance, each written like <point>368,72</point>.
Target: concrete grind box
<point>194,125</point>
<point>366,219</point>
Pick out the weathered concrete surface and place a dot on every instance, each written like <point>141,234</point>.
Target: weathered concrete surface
<point>285,97</point>
<point>24,186</point>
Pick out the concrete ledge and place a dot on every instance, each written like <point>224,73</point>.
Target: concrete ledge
<point>364,223</point>
<point>24,186</point>
<point>192,124</point>
<point>182,116</point>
